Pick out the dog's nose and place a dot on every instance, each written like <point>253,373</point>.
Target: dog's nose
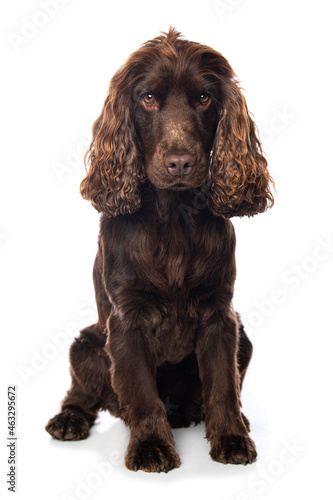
<point>179,165</point>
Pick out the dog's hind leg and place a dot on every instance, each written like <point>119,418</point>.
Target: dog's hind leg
<point>244,352</point>
<point>90,390</point>
<point>244,355</point>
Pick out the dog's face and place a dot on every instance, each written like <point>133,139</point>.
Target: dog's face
<point>174,114</point>
<point>176,118</point>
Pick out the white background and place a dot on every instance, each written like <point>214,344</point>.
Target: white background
<point>53,87</point>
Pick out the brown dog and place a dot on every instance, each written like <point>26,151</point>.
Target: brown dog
<point>174,155</point>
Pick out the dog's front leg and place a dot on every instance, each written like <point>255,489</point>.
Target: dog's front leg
<point>133,375</point>
<point>216,351</point>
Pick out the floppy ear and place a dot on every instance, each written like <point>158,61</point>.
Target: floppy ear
<point>113,164</point>
<point>239,176</point>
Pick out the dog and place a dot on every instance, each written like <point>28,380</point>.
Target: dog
<point>174,156</point>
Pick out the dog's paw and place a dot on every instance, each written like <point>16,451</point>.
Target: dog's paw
<point>68,426</point>
<point>152,456</point>
<point>233,449</point>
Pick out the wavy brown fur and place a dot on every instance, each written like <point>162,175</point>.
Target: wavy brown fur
<point>240,183</point>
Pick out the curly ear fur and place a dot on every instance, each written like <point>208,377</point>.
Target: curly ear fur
<point>239,176</point>
<point>113,163</point>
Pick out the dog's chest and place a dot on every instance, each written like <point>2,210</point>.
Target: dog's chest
<point>175,344</point>
<point>173,261</point>
<point>174,254</point>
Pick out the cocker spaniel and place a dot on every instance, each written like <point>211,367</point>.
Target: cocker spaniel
<point>174,156</point>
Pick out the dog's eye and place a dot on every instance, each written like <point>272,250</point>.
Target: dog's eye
<point>149,100</point>
<point>204,99</point>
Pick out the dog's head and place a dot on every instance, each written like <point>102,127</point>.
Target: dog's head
<point>174,114</point>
